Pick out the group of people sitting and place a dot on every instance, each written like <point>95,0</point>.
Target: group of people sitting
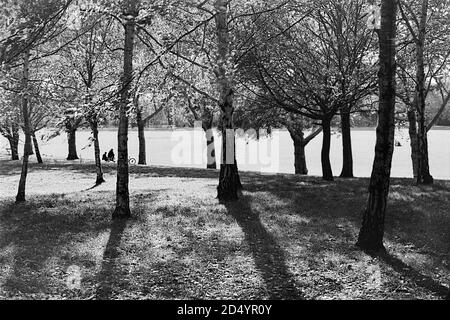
<point>108,157</point>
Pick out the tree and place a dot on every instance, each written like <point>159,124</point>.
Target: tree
<point>10,123</point>
<point>95,69</point>
<point>259,114</point>
<point>295,128</point>
<point>141,120</point>
<point>371,233</point>
<point>26,128</point>
<point>37,20</point>
<point>229,182</point>
<point>315,66</point>
<point>203,112</point>
<point>419,71</point>
<point>122,210</point>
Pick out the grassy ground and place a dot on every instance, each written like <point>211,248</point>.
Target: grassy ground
<point>287,237</point>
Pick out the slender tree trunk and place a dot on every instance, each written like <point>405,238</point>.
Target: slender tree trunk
<point>210,148</point>
<point>423,169</point>
<point>372,230</point>
<point>229,182</point>
<point>30,146</point>
<point>72,145</point>
<point>27,128</point>
<point>98,163</point>
<point>14,142</point>
<point>412,131</point>
<point>347,157</point>
<point>36,148</point>
<point>122,209</point>
<point>327,173</point>
<point>141,137</point>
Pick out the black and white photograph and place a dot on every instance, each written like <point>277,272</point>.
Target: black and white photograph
<point>223,156</point>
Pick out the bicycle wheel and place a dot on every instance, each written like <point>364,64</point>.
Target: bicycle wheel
<point>132,161</point>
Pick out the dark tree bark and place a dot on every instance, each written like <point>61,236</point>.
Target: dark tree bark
<point>71,140</point>
<point>423,169</point>
<point>299,152</point>
<point>30,146</point>
<point>36,148</point>
<point>98,163</point>
<point>229,182</point>
<point>347,157</point>
<point>372,230</point>
<point>141,137</point>
<point>14,146</point>
<point>299,157</point>
<point>26,127</point>
<point>122,209</point>
<point>13,140</point>
<point>412,131</point>
<point>327,173</point>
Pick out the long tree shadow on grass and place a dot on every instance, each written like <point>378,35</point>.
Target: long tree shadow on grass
<point>109,271</point>
<point>416,277</point>
<point>41,230</point>
<point>268,256</point>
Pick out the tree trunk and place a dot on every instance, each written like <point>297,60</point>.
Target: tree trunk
<point>229,182</point>
<point>98,163</point>
<point>412,130</point>
<point>299,152</point>
<point>27,128</point>
<point>14,142</point>
<point>71,140</point>
<point>371,233</point>
<point>36,148</point>
<point>30,146</point>
<point>122,209</point>
<point>327,173</point>
<point>423,170</point>
<point>347,157</point>
<point>210,148</point>
<point>141,137</point>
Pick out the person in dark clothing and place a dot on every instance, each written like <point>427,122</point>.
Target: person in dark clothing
<point>105,157</point>
<point>111,155</point>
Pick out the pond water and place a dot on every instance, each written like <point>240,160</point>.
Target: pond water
<point>274,153</point>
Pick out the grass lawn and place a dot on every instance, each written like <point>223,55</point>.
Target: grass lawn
<point>287,237</point>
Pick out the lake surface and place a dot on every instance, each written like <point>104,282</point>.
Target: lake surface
<point>187,148</point>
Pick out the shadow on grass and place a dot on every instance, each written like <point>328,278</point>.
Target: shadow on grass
<point>109,272</point>
<point>416,277</point>
<point>39,234</point>
<point>268,256</point>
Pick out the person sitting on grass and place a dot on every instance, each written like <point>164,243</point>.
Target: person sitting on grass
<point>105,157</point>
<point>111,155</point>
